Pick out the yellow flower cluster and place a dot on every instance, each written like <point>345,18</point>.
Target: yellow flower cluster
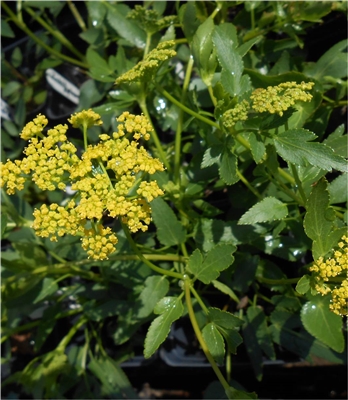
<point>235,114</point>
<point>332,267</point>
<point>85,118</point>
<point>107,178</point>
<point>277,99</point>
<point>149,19</point>
<point>147,68</point>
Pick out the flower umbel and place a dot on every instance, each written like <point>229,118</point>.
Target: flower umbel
<point>332,267</point>
<point>108,180</point>
<point>148,67</point>
<point>277,99</point>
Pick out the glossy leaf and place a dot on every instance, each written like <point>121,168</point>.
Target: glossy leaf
<point>204,52</point>
<point>216,260</point>
<point>268,209</point>
<point>170,232</point>
<point>215,342</point>
<point>171,309</point>
<point>295,146</point>
<point>322,323</point>
<point>229,58</point>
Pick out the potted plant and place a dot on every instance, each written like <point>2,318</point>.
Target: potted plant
<point>173,180</point>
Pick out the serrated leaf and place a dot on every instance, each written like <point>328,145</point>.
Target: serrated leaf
<point>322,323</point>
<point>338,189</point>
<point>303,285</point>
<point>316,224</point>
<point>268,209</point>
<point>223,319</point>
<point>158,331</point>
<point>257,147</point>
<point>215,342</point>
<point>228,168</point>
<point>170,232</point>
<point>212,156</point>
<point>229,58</point>
<point>217,259</point>
<point>294,146</point>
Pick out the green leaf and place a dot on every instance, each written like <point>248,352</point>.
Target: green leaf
<point>108,309</point>
<point>257,147</point>
<point>338,189</point>
<point>225,289</point>
<point>204,52</point>
<point>6,30</point>
<point>293,147</point>
<point>231,62</point>
<point>257,319</point>
<point>268,209</point>
<point>3,222</point>
<point>170,232</point>
<point>212,156</point>
<point>303,285</point>
<point>126,28</point>
<point>115,383</point>
<point>322,323</point>
<point>317,222</point>
<point>299,342</point>
<point>233,393</point>
<point>332,63</point>
<point>228,168</point>
<point>171,309</point>
<point>156,287</point>
<point>215,342</point>
<point>49,287</point>
<point>189,20</point>
<point>217,259</point>
<point>223,319</point>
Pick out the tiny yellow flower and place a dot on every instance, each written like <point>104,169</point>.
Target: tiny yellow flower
<point>85,118</point>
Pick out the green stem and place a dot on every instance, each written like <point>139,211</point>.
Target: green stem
<point>154,136</point>
<point>211,94</point>
<point>247,184</point>
<point>77,15</point>
<point>31,34</point>
<point>33,324</point>
<point>186,109</point>
<point>199,336</point>
<point>55,33</point>
<point>177,146</point>
<point>85,138</point>
<point>147,44</point>
<point>144,260</point>
<point>199,299</point>
<point>298,183</point>
<point>65,341</point>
